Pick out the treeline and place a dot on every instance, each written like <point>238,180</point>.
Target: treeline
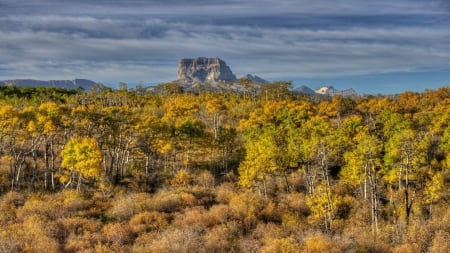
<point>268,171</point>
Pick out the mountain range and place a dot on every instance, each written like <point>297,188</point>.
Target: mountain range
<point>66,84</point>
<point>193,73</point>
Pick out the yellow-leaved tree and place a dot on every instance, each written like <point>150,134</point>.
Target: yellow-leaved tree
<point>82,158</point>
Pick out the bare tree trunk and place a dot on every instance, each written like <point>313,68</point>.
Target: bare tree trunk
<point>79,182</point>
<point>47,165</point>
<point>52,168</point>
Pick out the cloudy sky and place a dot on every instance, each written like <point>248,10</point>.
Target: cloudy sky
<point>383,46</point>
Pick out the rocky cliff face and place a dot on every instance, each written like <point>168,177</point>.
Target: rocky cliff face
<point>204,70</point>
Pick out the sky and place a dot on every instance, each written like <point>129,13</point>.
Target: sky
<point>383,46</point>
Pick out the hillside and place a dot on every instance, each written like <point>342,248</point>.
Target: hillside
<point>129,171</point>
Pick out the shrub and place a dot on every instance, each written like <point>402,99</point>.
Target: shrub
<point>9,204</point>
<point>225,192</point>
<point>123,208</point>
<point>182,179</point>
<point>75,201</point>
<point>143,242</point>
<point>268,231</point>
<point>318,244</point>
<point>221,214</point>
<point>220,239</point>
<point>42,244</point>
<point>440,243</point>
<point>149,221</point>
<point>248,207</point>
<point>205,179</point>
<point>49,207</point>
<point>117,234</point>
<point>178,240</point>
<point>197,218</point>
<point>407,248</point>
<point>9,244</point>
<point>281,245</point>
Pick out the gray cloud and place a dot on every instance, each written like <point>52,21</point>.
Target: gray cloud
<point>214,8</point>
<point>302,52</point>
<point>445,4</point>
<point>137,40</point>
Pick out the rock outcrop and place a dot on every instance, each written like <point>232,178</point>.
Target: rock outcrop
<point>204,70</point>
<point>66,84</point>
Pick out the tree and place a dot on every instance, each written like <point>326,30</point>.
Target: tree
<point>215,107</point>
<point>151,131</point>
<point>445,146</point>
<point>433,190</point>
<point>188,131</point>
<point>403,157</point>
<point>361,169</point>
<point>82,158</point>
<point>262,159</point>
<point>50,122</point>
<point>271,142</point>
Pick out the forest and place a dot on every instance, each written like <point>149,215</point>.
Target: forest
<point>163,170</point>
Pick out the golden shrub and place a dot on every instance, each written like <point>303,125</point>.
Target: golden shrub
<point>319,244</point>
<point>220,239</point>
<point>221,214</point>
<point>196,217</point>
<point>225,192</point>
<point>117,233</point>
<point>143,242</point>
<point>441,242</point>
<point>42,244</point>
<point>407,248</point>
<point>165,201</point>
<point>281,245</point>
<point>9,204</point>
<point>149,221</point>
<point>123,208</point>
<point>182,179</point>
<point>178,240</point>
<point>205,179</point>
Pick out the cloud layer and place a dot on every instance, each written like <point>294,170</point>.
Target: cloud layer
<point>132,41</point>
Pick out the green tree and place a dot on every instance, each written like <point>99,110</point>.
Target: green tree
<point>188,131</point>
<point>403,158</point>
<point>361,170</point>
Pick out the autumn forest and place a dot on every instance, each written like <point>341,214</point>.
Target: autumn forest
<point>269,170</point>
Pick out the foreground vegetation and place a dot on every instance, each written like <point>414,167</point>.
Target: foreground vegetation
<point>168,171</point>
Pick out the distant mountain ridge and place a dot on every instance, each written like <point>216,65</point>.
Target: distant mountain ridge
<point>85,84</point>
<point>194,74</point>
<point>215,74</point>
<point>255,79</point>
<point>331,91</point>
<point>304,90</point>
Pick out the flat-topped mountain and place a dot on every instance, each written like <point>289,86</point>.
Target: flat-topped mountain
<point>204,70</point>
<point>66,84</point>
